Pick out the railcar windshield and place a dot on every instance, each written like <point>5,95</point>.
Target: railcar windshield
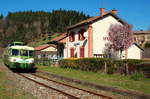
<point>26,53</point>
<point>23,52</point>
<point>15,52</point>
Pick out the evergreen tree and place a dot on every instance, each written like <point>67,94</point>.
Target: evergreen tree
<point>1,16</point>
<point>29,25</point>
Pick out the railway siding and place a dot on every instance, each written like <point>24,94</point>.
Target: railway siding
<point>44,93</point>
<point>39,91</point>
<point>81,94</point>
<point>22,84</point>
<point>131,94</point>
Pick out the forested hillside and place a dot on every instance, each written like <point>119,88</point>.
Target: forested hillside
<point>29,26</point>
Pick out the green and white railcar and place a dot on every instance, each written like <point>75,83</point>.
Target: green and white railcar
<point>19,57</point>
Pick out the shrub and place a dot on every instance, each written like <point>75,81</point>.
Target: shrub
<point>147,45</point>
<point>110,69</point>
<point>68,63</point>
<point>88,64</point>
<point>145,68</point>
<point>130,62</point>
<point>127,66</point>
<point>133,61</point>
<point>137,76</point>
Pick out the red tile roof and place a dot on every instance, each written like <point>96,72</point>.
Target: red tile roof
<point>141,32</point>
<point>88,21</point>
<point>41,47</point>
<point>93,19</point>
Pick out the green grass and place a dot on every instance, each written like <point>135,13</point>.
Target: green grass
<point>118,81</point>
<point>8,90</point>
<point>42,41</point>
<point>39,42</point>
<point>1,60</point>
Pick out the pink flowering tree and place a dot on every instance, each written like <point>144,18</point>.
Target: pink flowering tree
<point>121,37</point>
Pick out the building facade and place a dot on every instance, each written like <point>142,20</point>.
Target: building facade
<point>90,37</point>
<point>133,52</point>
<point>141,37</point>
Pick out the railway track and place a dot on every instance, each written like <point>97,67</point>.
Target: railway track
<point>67,90</point>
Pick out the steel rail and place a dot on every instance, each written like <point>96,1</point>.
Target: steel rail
<point>94,93</point>
<point>64,93</point>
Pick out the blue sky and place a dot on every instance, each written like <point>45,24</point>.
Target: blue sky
<point>135,12</point>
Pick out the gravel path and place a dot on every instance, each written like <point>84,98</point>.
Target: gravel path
<point>13,91</point>
<point>28,86</point>
<point>41,92</point>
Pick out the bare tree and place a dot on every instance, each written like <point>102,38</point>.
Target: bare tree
<point>121,37</point>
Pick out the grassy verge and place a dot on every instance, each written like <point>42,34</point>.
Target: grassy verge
<point>8,90</point>
<point>42,41</point>
<point>123,82</point>
<point>1,60</point>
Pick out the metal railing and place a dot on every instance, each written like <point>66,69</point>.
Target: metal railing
<point>46,62</point>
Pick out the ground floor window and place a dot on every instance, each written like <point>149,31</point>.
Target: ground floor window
<point>71,52</point>
<point>81,51</point>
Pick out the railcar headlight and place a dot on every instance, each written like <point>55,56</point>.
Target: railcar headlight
<point>14,60</point>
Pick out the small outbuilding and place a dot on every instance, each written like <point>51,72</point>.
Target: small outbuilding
<point>47,51</point>
<point>133,52</point>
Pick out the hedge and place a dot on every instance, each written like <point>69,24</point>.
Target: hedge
<point>145,68</point>
<point>127,66</point>
<point>87,64</point>
<point>147,45</point>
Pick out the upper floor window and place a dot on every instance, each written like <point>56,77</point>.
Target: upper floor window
<point>71,36</point>
<point>80,34</point>
<point>135,39</point>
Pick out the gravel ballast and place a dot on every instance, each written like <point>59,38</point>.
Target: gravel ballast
<point>34,89</point>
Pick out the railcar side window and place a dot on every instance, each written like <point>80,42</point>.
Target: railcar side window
<point>15,52</point>
<point>31,53</point>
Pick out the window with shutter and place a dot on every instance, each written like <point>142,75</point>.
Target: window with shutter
<point>71,36</point>
<point>81,51</point>
<point>80,34</point>
<point>71,52</point>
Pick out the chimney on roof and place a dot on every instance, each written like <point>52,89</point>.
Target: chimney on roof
<point>114,11</point>
<point>102,11</point>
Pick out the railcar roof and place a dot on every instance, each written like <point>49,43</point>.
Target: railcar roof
<point>22,47</point>
<point>18,42</point>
